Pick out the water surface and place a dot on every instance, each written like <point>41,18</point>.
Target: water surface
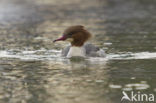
<point>33,71</point>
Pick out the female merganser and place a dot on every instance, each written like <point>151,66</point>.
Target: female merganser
<point>77,36</point>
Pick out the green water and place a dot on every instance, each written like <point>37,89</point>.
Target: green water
<point>32,70</point>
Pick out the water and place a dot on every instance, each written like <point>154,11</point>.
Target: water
<point>33,71</point>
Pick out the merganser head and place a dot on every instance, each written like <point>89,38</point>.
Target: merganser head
<point>77,35</point>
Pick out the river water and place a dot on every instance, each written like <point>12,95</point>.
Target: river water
<point>33,71</point>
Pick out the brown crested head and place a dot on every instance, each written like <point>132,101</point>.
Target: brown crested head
<point>78,35</point>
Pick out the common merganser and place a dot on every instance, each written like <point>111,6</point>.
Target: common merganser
<point>77,36</point>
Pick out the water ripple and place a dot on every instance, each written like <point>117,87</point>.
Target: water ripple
<point>44,54</point>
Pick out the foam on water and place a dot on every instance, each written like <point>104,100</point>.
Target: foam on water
<point>31,55</point>
<point>44,54</point>
<point>130,55</point>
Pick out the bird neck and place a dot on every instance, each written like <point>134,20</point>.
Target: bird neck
<point>76,51</point>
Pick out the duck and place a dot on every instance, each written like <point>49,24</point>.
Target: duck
<point>79,47</point>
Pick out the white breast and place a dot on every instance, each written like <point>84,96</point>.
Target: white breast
<point>76,51</point>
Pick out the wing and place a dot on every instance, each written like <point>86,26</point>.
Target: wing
<point>65,51</point>
<point>90,49</point>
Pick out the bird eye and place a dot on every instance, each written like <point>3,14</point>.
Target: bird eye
<point>71,33</point>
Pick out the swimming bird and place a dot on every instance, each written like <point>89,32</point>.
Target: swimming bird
<point>78,36</point>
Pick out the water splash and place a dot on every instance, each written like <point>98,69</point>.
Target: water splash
<point>130,55</point>
<point>31,55</point>
<point>44,54</point>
